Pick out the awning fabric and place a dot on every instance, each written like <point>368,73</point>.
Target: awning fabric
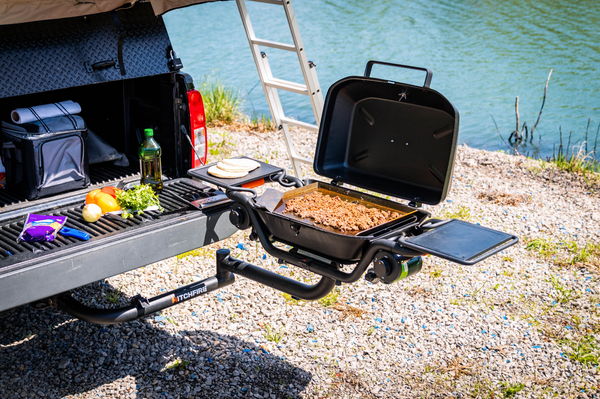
<point>21,11</point>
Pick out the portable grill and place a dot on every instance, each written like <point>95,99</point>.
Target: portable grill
<point>387,137</point>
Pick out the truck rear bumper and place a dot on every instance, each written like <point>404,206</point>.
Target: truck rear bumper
<point>55,271</point>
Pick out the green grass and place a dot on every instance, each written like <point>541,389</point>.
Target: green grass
<point>577,162</point>
<point>510,390</point>
<point>462,213</point>
<point>586,350</point>
<point>291,301</point>
<point>178,365</point>
<point>590,253</point>
<point>193,252</point>
<point>221,102</point>
<point>331,298</point>
<point>436,273</point>
<point>221,147</point>
<point>566,252</point>
<point>113,297</point>
<point>543,246</point>
<point>273,335</point>
<point>563,294</point>
<point>261,123</point>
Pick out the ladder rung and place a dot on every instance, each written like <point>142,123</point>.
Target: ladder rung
<point>278,2</point>
<point>269,43</point>
<point>303,160</point>
<point>287,85</point>
<point>304,125</point>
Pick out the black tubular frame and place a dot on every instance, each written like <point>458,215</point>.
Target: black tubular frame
<point>281,283</point>
<point>228,267</point>
<point>141,307</point>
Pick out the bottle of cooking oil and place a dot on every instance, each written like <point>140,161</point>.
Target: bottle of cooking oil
<point>150,166</point>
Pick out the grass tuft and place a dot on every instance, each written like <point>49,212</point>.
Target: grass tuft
<point>563,294</point>
<point>462,213</point>
<point>261,123</point>
<point>221,102</point>
<point>510,390</point>
<point>273,335</point>
<point>566,252</point>
<point>586,350</point>
<point>193,252</point>
<point>113,296</point>
<point>543,246</point>
<point>436,273</point>
<point>291,301</point>
<point>178,364</point>
<point>221,147</point>
<point>331,298</point>
<point>578,162</point>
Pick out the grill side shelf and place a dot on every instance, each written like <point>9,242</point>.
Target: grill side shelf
<point>461,242</point>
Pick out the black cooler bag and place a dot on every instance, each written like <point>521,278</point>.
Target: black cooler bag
<point>46,157</point>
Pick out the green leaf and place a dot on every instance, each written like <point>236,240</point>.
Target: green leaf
<point>137,199</point>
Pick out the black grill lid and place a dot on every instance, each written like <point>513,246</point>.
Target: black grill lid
<point>389,137</point>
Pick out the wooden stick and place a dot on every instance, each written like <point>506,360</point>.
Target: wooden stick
<point>517,115</point>
<point>498,130</point>
<point>543,102</point>
<point>596,141</point>
<point>586,135</point>
<point>560,148</point>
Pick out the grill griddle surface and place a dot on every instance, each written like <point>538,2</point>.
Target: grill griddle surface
<point>262,172</point>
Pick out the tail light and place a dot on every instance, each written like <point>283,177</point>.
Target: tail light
<point>198,127</point>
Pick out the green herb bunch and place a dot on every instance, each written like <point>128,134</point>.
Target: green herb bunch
<point>137,199</point>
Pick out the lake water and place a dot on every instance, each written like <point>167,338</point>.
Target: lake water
<point>482,53</point>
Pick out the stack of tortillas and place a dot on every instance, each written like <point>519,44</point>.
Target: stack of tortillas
<point>233,168</point>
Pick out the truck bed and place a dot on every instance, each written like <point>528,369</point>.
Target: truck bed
<point>32,271</point>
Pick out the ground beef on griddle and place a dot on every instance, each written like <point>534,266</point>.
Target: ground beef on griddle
<point>337,213</point>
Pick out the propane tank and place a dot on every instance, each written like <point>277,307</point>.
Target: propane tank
<point>389,268</point>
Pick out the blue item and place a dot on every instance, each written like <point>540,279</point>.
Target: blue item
<point>68,232</point>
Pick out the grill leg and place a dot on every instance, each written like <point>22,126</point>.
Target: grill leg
<point>274,280</point>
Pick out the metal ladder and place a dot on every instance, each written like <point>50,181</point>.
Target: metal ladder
<point>270,84</point>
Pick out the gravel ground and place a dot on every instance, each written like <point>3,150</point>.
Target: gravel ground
<point>523,323</point>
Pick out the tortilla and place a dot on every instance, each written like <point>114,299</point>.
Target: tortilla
<point>230,168</point>
<point>248,164</point>
<point>224,174</point>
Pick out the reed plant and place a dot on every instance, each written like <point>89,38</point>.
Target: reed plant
<point>221,102</point>
<point>577,162</point>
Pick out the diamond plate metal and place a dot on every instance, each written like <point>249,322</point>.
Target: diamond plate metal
<point>51,55</point>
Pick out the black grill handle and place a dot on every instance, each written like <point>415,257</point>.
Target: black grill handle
<point>104,64</point>
<point>428,73</point>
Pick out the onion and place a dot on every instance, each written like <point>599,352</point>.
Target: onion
<point>91,213</point>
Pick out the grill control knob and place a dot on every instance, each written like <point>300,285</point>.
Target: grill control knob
<point>239,218</point>
<point>382,267</point>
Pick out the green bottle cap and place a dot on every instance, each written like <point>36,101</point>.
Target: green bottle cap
<point>148,133</point>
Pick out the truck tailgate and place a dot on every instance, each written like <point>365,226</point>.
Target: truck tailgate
<point>32,271</point>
